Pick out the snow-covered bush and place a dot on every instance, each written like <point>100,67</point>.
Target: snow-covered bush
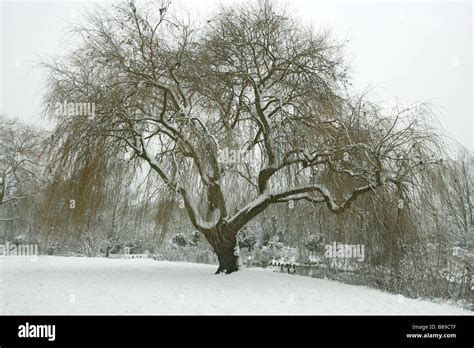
<point>195,238</point>
<point>179,239</point>
<point>264,255</point>
<point>19,240</point>
<point>315,243</point>
<point>188,253</point>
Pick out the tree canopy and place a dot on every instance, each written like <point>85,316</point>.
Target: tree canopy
<point>251,80</point>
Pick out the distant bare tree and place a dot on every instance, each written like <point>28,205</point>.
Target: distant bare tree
<point>458,195</point>
<point>252,81</point>
<point>19,155</point>
<point>20,168</point>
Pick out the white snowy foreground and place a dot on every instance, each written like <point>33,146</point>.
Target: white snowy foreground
<point>73,285</point>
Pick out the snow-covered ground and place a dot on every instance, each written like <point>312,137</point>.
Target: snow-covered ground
<point>70,285</point>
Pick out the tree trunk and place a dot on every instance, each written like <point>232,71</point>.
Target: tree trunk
<point>224,243</point>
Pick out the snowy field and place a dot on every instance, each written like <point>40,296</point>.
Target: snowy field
<point>69,285</point>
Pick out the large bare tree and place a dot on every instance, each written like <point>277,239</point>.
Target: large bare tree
<point>250,81</point>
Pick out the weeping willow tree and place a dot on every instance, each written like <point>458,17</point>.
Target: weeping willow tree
<point>250,80</point>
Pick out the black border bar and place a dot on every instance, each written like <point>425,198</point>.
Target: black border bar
<point>241,330</point>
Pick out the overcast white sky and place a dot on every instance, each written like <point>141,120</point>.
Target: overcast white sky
<point>418,51</point>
